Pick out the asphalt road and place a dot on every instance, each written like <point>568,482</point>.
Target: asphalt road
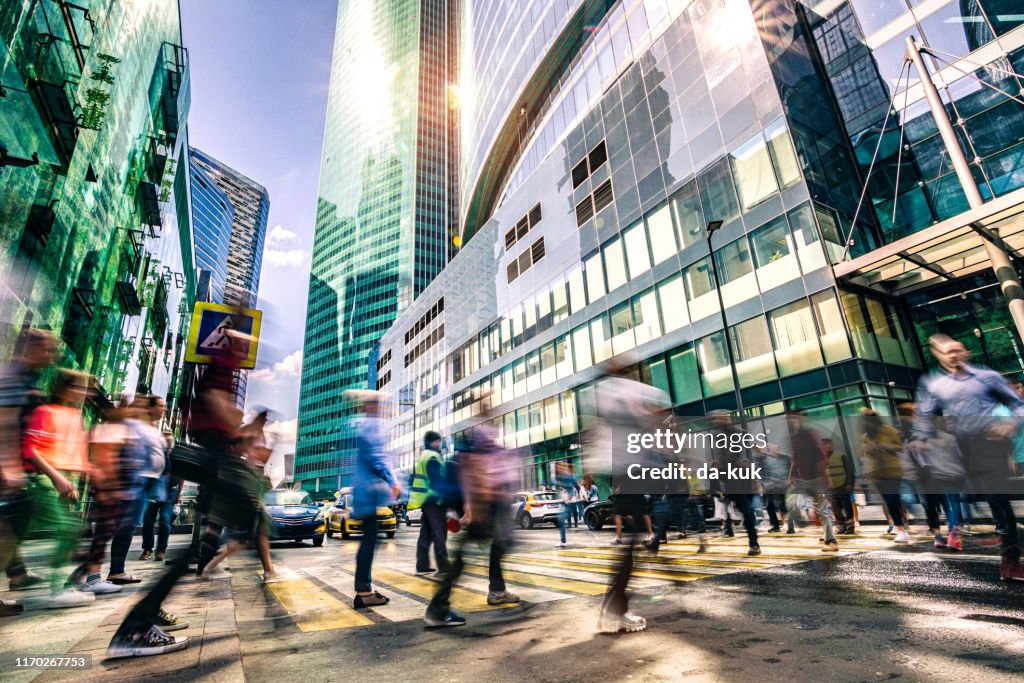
<point>875,612</point>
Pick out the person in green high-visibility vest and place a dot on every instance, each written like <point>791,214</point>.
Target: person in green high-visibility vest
<point>426,482</point>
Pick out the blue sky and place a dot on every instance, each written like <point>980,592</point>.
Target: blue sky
<point>260,71</point>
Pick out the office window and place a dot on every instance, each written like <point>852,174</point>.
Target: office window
<point>713,359</point>
<point>646,325</point>
<point>689,217</point>
<point>533,371</point>
<point>595,277</point>
<point>552,418</point>
<point>544,315</point>
<point>805,237</point>
<point>563,357</point>
<point>752,168</point>
<point>863,340</point>
<point>773,254</point>
<point>569,423</point>
<point>796,338</point>
<point>682,365</point>
<point>614,264</point>
<point>559,302</point>
<point>700,289</point>
<point>735,272</point>
<point>661,234</point>
<point>784,159</point>
<point>672,300</point>
<point>716,192</point>
<point>519,377</point>
<point>637,256</point>
<point>621,321</point>
<point>887,333</point>
<point>601,338</point>
<point>752,346</point>
<point>581,355</point>
<point>577,291</point>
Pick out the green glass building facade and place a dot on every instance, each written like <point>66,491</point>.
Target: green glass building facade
<point>95,238</point>
<point>384,211</point>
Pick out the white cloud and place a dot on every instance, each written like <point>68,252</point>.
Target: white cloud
<point>291,366</point>
<point>281,235</point>
<point>282,258</point>
<point>283,434</point>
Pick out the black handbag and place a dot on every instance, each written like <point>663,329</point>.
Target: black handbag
<point>193,463</point>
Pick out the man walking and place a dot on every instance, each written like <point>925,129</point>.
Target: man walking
<point>972,396</point>
<point>425,495</point>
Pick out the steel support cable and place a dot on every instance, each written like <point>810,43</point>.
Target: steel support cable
<point>871,166</point>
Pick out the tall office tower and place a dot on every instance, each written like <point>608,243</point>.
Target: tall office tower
<point>251,205</point>
<point>622,161</point>
<point>386,211</point>
<point>213,216</point>
<point>95,240</point>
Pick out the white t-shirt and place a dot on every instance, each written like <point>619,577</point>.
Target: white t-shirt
<point>156,447</point>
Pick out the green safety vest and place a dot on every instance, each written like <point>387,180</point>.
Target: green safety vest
<point>836,470</point>
<point>421,490</point>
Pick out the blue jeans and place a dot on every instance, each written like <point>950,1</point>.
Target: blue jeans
<point>563,519</point>
<point>159,515</point>
<point>364,556</point>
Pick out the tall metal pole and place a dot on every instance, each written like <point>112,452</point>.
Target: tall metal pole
<point>1006,274</point>
<point>725,331</point>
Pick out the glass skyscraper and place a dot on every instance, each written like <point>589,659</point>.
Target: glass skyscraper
<point>385,212</point>
<point>95,239</point>
<point>251,205</point>
<point>212,219</point>
<point>629,155</point>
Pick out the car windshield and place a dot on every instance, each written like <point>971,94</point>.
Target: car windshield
<point>288,498</point>
<point>546,496</point>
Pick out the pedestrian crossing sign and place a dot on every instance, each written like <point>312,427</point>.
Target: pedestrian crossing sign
<point>215,326</point>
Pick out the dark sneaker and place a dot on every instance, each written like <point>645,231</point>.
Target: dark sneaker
<point>146,554</point>
<point>160,555</point>
<point>425,572</point>
<point>453,618</point>
<point>9,608</point>
<point>167,622</point>
<point>26,581</point>
<point>1011,570</point>
<point>774,529</point>
<point>151,641</point>
<point>123,579</point>
<point>372,600</point>
<point>754,550</point>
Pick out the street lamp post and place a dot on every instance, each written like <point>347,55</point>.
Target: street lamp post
<point>713,226</point>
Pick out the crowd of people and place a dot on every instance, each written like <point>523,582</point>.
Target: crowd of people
<point>90,489</point>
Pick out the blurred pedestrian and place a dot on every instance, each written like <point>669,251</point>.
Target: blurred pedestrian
<point>373,486</point>
<point>738,491</point>
<point>775,469</point>
<point>809,474</point>
<point>19,396</point>
<point>55,450</point>
<point>968,396</point>
<point>842,478</point>
<point>426,495</point>
<point>488,475</point>
<point>880,447</point>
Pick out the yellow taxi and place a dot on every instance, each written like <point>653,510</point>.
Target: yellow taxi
<point>340,521</point>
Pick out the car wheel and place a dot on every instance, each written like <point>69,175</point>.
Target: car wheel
<point>526,521</point>
<point>329,531</point>
<point>318,541</point>
<point>391,534</point>
<point>594,522</point>
<point>345,535</point>
<point>408,522</point>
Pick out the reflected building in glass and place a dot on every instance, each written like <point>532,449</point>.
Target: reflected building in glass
<point>386,211</point>
<point>611,136</point>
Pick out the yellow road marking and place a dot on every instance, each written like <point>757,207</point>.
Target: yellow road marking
<point>314,609</point>
<point>530,579</point>
<point>659,559</point>
<point>462,599</point>
<point>610,569</point>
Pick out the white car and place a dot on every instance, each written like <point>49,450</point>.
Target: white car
<point>530,508</point>
<point>413,516</point>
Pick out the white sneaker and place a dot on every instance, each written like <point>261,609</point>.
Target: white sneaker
<point>902,537</point>
<point>70,598</point>
<point>100,587</point>
<point>561,545</point>
<point>614,623</point>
